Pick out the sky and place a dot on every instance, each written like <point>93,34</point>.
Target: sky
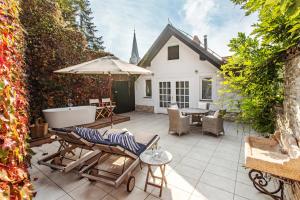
<point>116,20</point>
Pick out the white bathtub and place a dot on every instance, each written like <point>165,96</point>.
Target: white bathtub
<point>70,116</point>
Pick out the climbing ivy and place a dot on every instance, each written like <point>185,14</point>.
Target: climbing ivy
<point>254,71</point>
<point>14,180</point>
<point>51,44</point>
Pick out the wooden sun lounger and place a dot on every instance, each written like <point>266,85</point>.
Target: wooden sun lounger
<point>131,161</point>
<point>68,143</point>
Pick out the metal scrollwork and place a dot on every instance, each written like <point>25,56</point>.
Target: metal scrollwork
<point>261,181</point>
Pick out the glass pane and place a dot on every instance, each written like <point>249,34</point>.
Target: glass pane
<point>181,98</point>
<point>148,88</point>
<point>182,91</point>
<point>186,98</point>
<point>186,84</point>
<point>186,91</point>
<point>169,91</point>
<point>173,52</point>
<point>182,84</point>
<point>206,89</point>
<point>187,105</point>
<point>177,84</point>
<point>169,84</point>
<point>177,91</point>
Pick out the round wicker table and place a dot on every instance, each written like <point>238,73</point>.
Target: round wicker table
<point>159,158</point>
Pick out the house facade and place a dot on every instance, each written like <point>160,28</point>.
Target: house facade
<point>184,72</point>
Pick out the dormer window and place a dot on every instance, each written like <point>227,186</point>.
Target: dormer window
<point>173,52</point>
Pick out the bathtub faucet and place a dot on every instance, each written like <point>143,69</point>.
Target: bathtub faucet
<point>70,104</point>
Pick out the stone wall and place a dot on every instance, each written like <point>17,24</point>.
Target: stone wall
<point>288,118</point>
<point>143,108</point>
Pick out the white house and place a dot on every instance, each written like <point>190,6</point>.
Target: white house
<point>184,71</point>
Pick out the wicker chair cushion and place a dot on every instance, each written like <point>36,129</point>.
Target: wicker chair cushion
<point>217,114</point>
<point>202,105</point>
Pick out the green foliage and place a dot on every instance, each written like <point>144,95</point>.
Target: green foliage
<point>255,69</point>
<point>256,76</point>
<point>279,20</point>
<point>14,179</point>
<point>52,45</point>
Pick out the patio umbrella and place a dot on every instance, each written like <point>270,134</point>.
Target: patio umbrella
<point>108,66</point>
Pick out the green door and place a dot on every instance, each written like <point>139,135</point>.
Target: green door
<point>123,92</point>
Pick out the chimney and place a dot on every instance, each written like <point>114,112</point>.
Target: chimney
<point>196,40</point>
<point>205,42</point>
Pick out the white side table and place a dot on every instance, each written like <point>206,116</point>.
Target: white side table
<point>158,158</point>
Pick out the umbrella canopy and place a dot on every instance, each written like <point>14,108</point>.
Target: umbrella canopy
<point>106,65</point>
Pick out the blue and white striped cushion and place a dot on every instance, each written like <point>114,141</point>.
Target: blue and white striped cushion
<point>126,140</point>
<point>91,135</point>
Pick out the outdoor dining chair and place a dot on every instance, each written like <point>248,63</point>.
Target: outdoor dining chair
<point>108,106</point>
<point>214,123</point>
<point>99,109</point>
<point>178,123</point>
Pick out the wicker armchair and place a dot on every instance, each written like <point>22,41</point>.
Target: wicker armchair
<point>214,124</point>
<point>177,123</point>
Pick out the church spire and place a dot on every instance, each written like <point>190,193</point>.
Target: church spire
<point>135,58</point>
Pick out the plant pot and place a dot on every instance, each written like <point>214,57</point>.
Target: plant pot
<point>39,129</point>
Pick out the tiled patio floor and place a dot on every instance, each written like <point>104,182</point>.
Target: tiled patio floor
<point>203,168</point>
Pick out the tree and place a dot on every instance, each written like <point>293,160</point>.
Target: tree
<point>87,26</point>
<point>69,10</point>
<point>14,179</point>
<point>256,76</point>
<point>255,69</point>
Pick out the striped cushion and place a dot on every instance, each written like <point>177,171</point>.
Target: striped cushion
<point>125,140</point>
<point>103,131</point>
<point>91,135</point>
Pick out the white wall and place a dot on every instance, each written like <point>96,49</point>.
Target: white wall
<point>182,69</point>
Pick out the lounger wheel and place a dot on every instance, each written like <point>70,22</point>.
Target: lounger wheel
<point>93,172</point>
<point>56,161</point>
<point>130,183</point>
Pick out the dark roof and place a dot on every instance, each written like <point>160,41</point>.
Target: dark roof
<point>169,30</point>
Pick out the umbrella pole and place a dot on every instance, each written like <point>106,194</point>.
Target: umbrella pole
<point>110,96</point>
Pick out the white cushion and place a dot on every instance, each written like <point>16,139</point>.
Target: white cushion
<point>216,114</point>
<point>202,105</point>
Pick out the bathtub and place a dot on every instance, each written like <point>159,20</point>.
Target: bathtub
<point>70,116</point>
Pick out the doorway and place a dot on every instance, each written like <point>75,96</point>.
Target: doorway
<point>123,95</point>
<point>173,91</point>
